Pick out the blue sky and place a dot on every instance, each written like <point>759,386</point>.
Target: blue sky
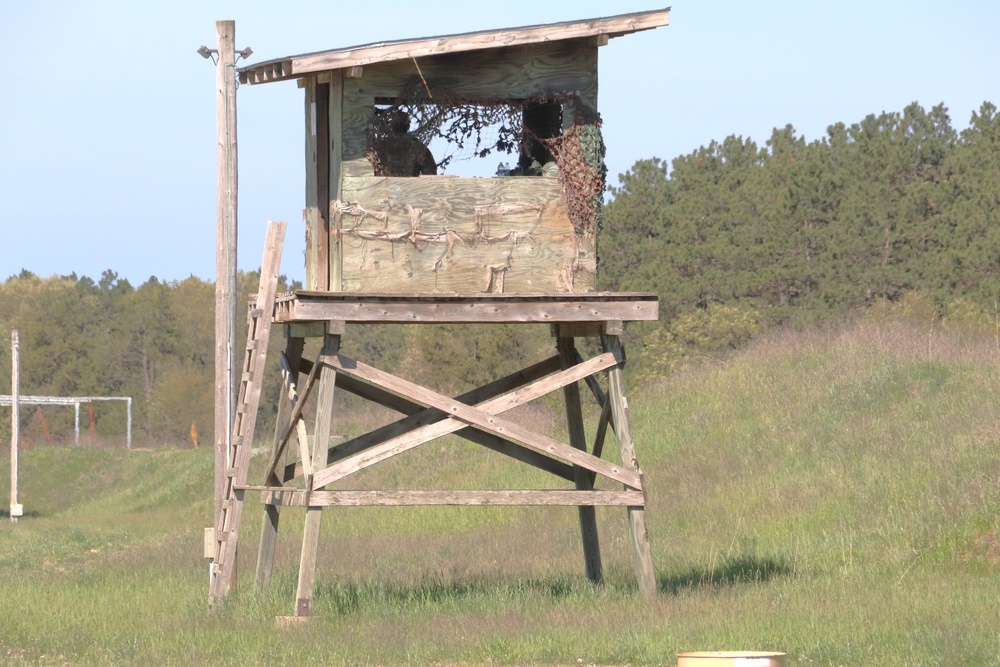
<point>107,113</point>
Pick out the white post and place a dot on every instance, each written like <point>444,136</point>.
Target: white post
<point>76,423</point>
<point>16,509</point>
<point>128,437</point>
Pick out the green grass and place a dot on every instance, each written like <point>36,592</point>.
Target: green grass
<point>834,495</point>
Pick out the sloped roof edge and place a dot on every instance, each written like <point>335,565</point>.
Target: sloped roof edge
<point>293,67</point>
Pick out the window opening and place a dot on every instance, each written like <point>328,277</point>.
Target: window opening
<point>426,130</point>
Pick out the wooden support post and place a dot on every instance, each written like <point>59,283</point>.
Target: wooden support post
<point>15,422</point>
<point>582,477</point>
<point>317,211</point>
<point>269,528</point>
<point>314,515</point>
<point>335,123</point>
<point>644,570</point>
<point>225,251</point>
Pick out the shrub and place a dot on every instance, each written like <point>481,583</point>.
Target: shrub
<point>968,320</point>
<point>703,332</point>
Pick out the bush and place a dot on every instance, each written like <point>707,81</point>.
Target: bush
<point>969,321</point>
<point>704,332</point>
<point>911,308</point>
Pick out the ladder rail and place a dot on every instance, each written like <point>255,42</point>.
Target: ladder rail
<point>245,418</point>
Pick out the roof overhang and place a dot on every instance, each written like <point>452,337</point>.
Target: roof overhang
<point>294,67</point>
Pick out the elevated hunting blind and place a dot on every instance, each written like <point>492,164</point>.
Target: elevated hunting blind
<point>393,237</point>
<point>526,96</point>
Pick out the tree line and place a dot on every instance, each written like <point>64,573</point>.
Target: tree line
<point>79,337</point>
<point>155,343</point>
<point>731,237</point>
<point>803,231</point>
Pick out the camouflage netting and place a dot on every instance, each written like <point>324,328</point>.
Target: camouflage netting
<point>530,129</point>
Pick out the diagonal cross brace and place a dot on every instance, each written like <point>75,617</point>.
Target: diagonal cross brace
<point>293,423</point>
<point>380,451</point>
<point>482,417</point>
<point>418,416</point>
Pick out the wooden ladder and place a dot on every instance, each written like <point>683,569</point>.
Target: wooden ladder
<point>244,422</point>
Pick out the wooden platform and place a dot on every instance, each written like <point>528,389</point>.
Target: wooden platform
<point>310,306</point>
<point>303,463</point>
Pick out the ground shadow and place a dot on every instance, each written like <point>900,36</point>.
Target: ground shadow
<point>350,596</point>
<point>5,514</point>
<point>731,571</point>
<point>347,597</point>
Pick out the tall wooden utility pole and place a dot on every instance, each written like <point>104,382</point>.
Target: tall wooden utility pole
<point>15,417</point>
<point>225,250</point>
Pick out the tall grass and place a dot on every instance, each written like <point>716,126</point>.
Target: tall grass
<point>831,494</point>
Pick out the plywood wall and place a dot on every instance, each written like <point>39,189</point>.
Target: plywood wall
<point>445,233</point>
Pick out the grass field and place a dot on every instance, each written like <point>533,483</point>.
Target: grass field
<point>833,495</point>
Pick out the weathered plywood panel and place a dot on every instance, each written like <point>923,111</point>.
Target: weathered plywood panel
<point>357,114</point>
<point>444,234</point>
<point>449,234</point>
<point>514,73</point>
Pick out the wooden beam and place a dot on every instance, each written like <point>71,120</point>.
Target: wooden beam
<point>300,404</point>
<point>310,215</point>
<point>559,497</point>
<point>306,306</point>
<point>307,330</point>
<point>286,404</point>
<point>594,387</point>
<point>644,570</point>
<point>335,180</point>
<point>418,415</point>
<point>601,434</point>
<point>482,420</point>
<point>582,477</point>
<point>225,250</point>
<point>411,409</point>
<point>314,515</point>
<point>380,451</point>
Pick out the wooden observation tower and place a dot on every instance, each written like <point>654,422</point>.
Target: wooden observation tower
<point>389,240</point>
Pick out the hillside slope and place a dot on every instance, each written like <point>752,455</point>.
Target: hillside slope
<point>835,495</point>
